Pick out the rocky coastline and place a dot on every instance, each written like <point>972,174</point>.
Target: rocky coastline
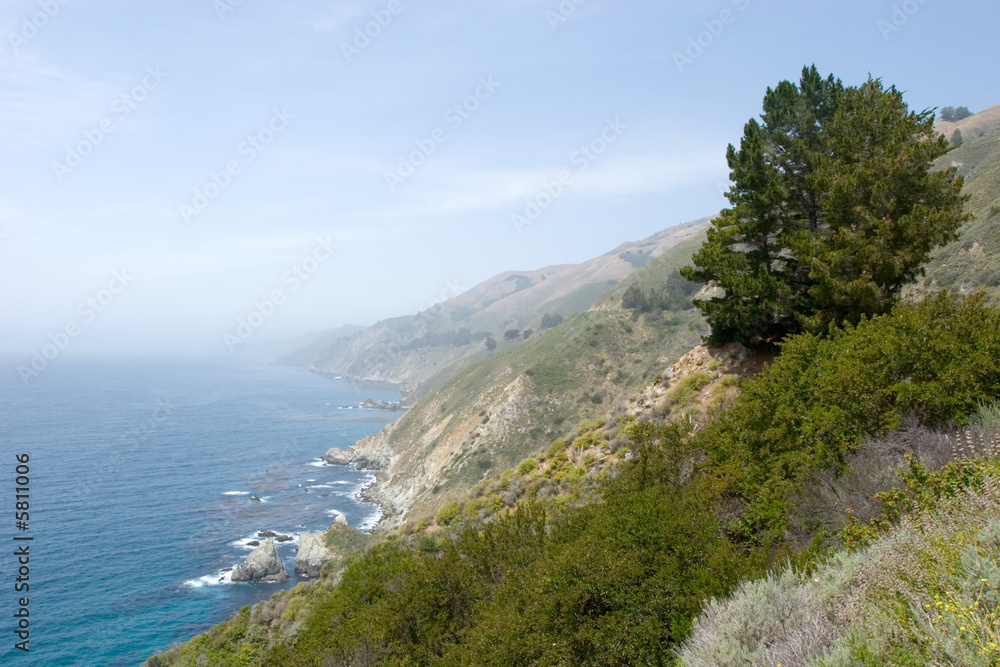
<point>362,456</point>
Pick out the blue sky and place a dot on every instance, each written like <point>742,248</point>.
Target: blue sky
<point>212,152</point>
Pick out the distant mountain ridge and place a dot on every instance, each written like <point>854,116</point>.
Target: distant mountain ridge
<point>422,351</point>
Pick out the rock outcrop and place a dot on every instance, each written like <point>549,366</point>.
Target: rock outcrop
<point>263,564</point>
<point>312,554</point>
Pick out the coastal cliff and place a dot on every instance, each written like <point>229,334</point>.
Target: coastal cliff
<point>491,416</point>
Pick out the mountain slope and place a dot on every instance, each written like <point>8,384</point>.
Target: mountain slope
<point>495,413</point>
<point>973,261</point>
<point>424,350</point>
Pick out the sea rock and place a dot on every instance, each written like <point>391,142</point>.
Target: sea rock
<point>255,499</point>
<point>312,554</point>
<point>262,564</point>
<point>337,457</point>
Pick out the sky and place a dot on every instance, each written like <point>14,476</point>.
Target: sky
<point>181,172</point>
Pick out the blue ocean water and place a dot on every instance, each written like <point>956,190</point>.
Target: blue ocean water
<point>141,476</point>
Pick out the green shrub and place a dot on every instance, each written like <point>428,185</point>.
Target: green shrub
<point>816,402</point>
<point>687,389</point>
<point>448,513</point>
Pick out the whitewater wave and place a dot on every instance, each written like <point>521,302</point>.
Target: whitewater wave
<point>220,579</point>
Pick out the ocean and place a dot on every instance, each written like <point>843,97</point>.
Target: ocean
<point>141,475</point>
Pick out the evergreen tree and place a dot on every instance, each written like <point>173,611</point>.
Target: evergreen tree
<point>833,210</point>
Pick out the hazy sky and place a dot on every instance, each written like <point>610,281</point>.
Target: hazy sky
<point>168,165</point>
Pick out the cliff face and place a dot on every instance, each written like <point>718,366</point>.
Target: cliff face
<point>312,554</point>
<point>440,450</point>
<point>263,564</point>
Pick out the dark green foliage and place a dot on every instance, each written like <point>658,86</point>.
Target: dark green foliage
<point>511,334</point>
<point>549,320</point>
<point>952,115</point>
<point>636,259</point>
<point>822,396</point>
<point>491,343</point>
<point>521,282</point>
<point>834,209</point>
<point>675,294</point>
<point>619,580</point>
<point>956,138</point>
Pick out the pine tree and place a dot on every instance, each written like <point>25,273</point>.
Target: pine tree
<point>834,209</point>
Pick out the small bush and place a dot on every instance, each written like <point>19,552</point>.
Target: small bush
<point>527,466</point>
<point>448,513</point>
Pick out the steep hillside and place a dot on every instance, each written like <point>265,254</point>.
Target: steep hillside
<point>514,403</point>
<point>518,575</point>
<point>424,350</point>
<point>973,261</point>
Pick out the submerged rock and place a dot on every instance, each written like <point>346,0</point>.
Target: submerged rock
<point>262,564</point>
<point>312,554</point>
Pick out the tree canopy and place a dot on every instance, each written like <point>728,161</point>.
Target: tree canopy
<point>834,209</point>
<point>951,114</point>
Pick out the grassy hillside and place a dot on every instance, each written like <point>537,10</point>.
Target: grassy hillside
<point>973,261</point>
<point>515,402</point>
<point>424,350</point>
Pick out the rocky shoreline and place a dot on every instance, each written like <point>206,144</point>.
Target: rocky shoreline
<point>370,492</point>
